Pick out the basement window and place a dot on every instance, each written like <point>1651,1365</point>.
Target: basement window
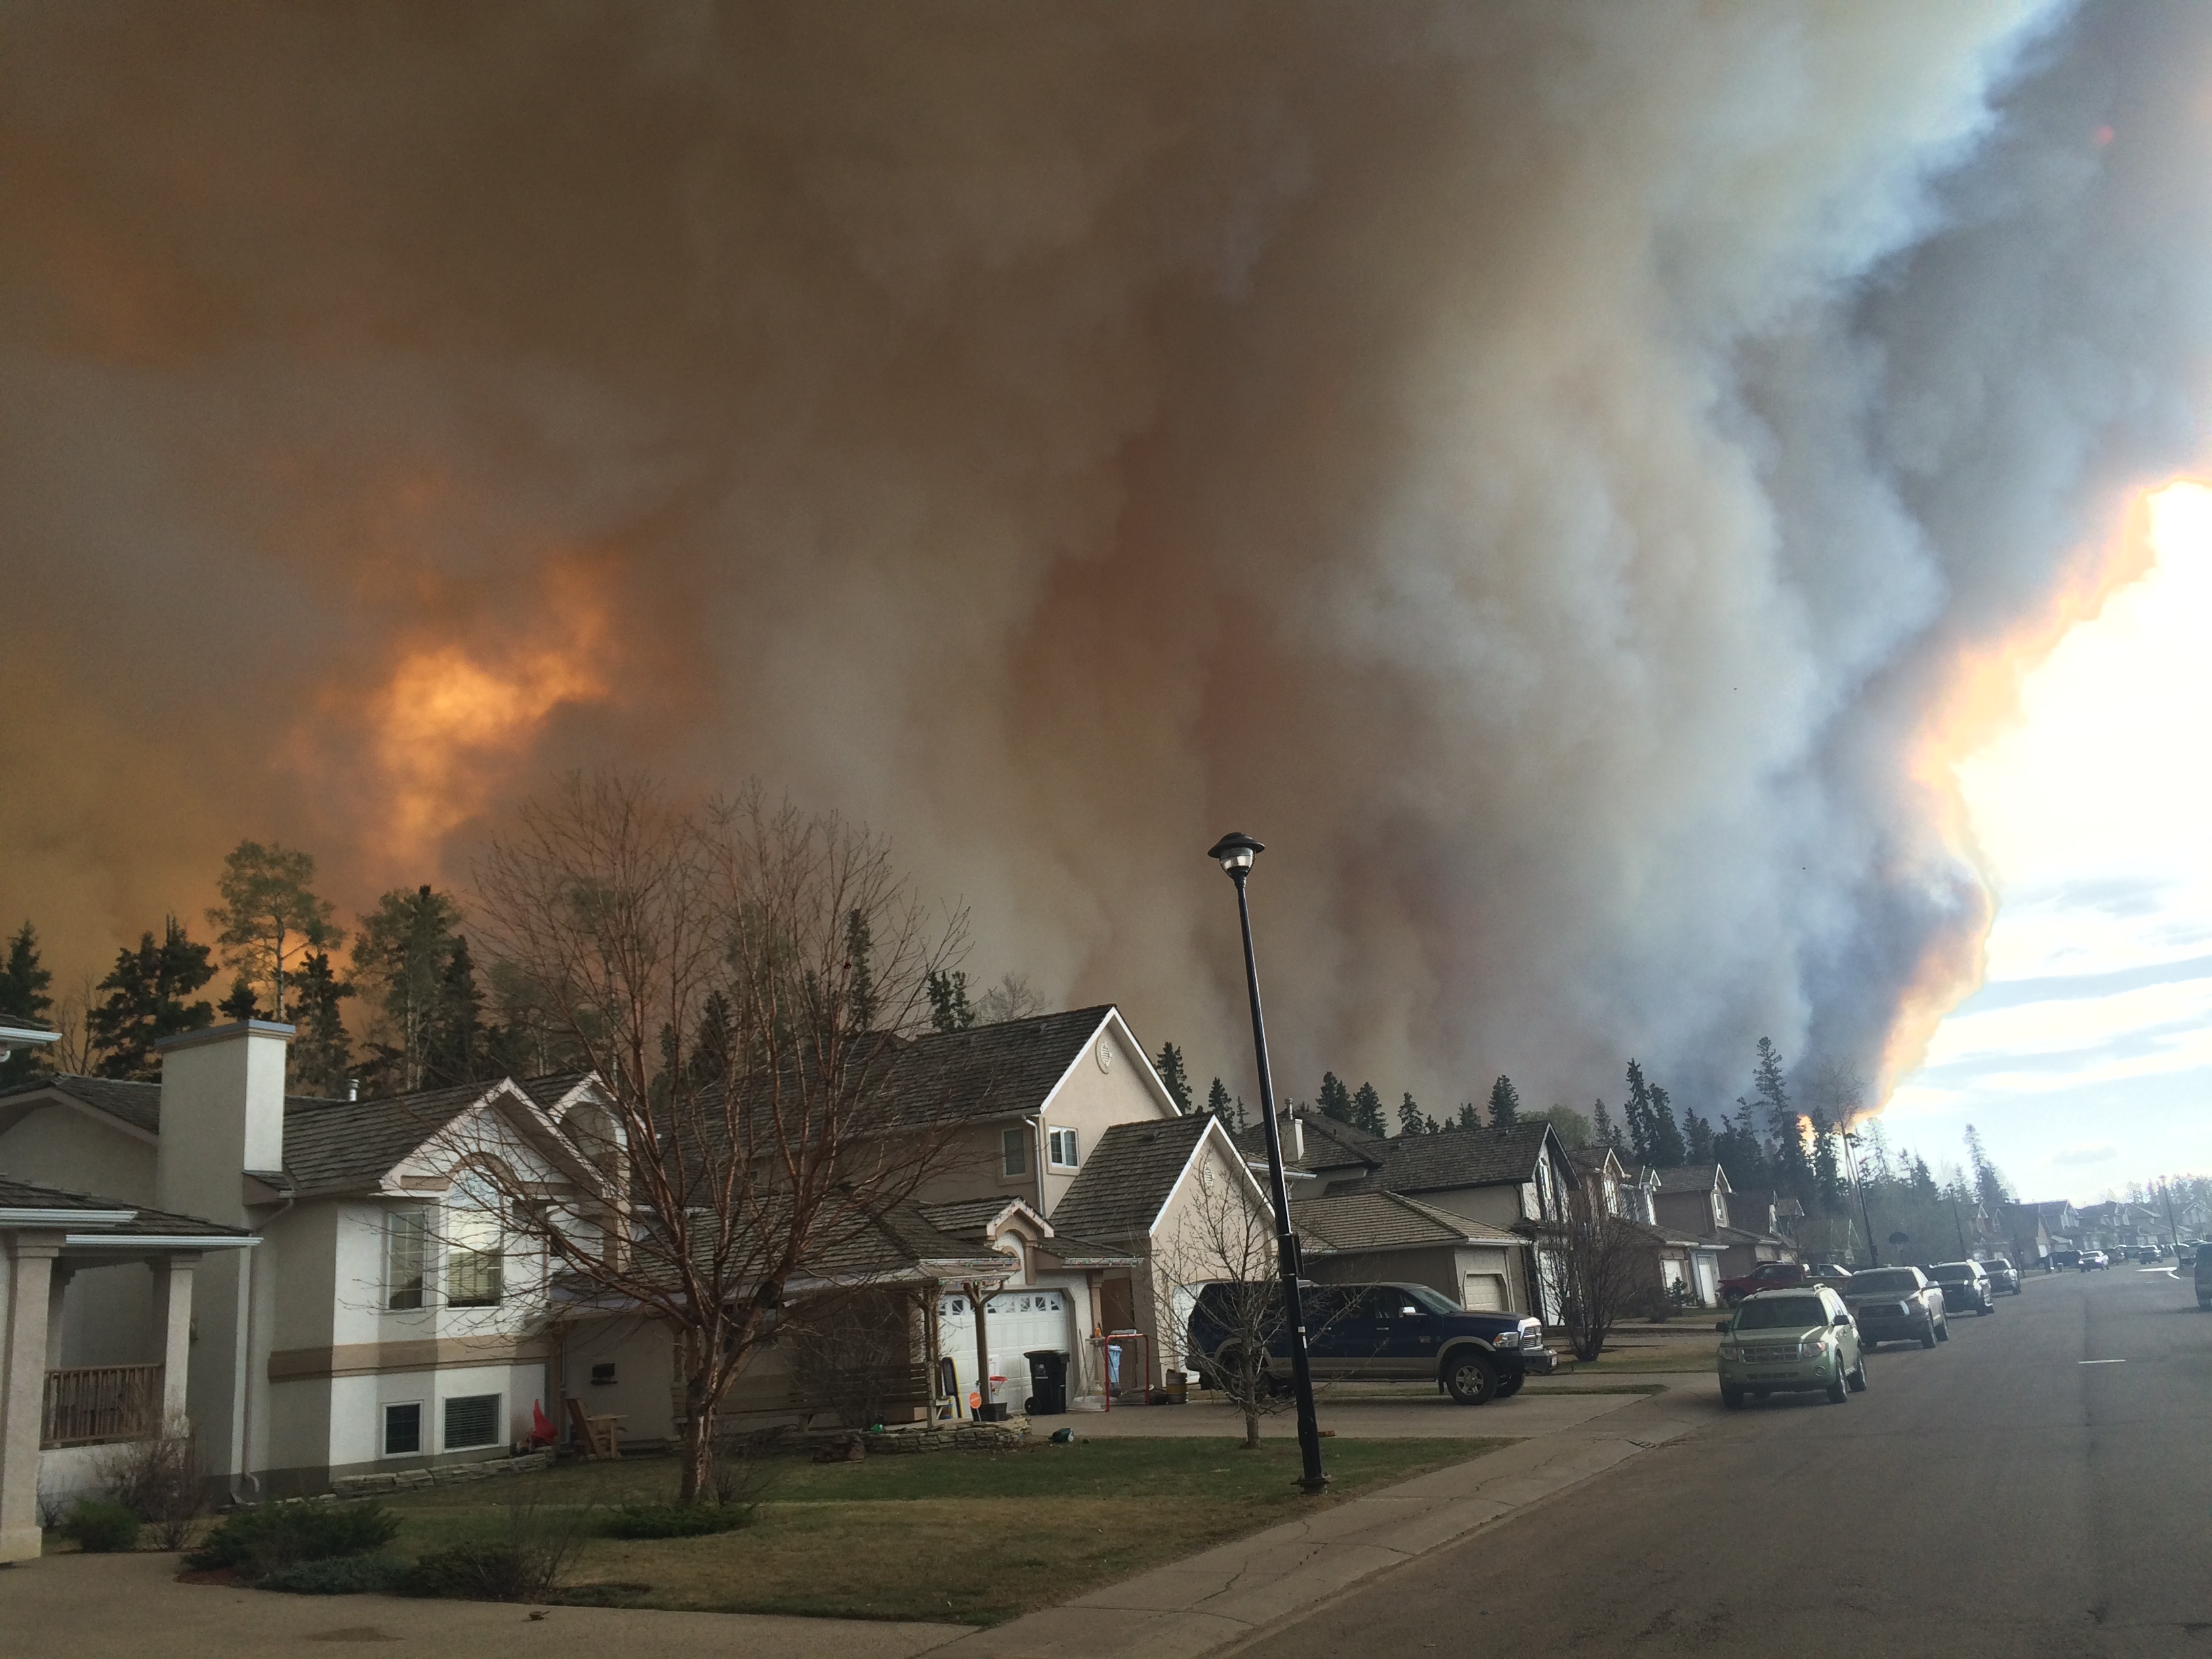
<point>472,1419</point>
<point>1060,1145</point>
<point>403,1429</point>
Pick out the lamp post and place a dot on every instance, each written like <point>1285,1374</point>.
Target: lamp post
<point>1235,854</point>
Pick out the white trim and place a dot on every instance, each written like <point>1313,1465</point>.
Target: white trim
<point>384,1408</point>
<point>1114,1021</point>
<point>1236,1161</point>
<point>26,1036</point>
<point>159,1241</point>
<point>38,1217</point>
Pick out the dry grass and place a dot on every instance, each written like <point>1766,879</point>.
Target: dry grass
<point>973,1538</point>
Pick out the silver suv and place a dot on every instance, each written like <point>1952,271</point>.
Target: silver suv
<point>1898,1304</point>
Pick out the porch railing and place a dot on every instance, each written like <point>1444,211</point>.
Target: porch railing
<point>99,1403</point>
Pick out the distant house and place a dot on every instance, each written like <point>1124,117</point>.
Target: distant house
<point>1696,1199</point>
<point>1680,1269</point>
<point>1515,1180</point>
<point>1388,1238</point>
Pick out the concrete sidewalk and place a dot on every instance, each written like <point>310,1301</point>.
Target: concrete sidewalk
<point>1238,1589</point>
<point>1375,1414</point>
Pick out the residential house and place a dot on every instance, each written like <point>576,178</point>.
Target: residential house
<point>1679,1269</point>
<point>1388,1238</point>
<point>1696,1199</point>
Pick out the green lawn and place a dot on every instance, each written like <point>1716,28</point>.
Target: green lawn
<point>976,1537</point>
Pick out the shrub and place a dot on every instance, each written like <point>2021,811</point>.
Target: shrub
<point>343,1575</point>
<point>528,1564</point>
<point>101,1525</point>
<point>676,1520</point>
<point>158,1480</point>
<point>272,1536</point>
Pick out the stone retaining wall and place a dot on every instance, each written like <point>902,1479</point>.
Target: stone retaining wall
<point>450,1475</point>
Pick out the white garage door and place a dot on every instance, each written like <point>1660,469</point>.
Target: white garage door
<point>1014,1322</point>
<point>1484,1293</point>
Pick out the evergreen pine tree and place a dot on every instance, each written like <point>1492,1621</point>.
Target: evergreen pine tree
<point>457,1047</point>
<point>1469,1117</point>
<point>948,1000</point>
<point>1504,1104</point>
<point>321,1062</point>
<point>1168,1064</point>
<point>1793,1171</point>
<point>24,1001</point>
<point>268,913</point>
<point>1991,1188</point>
<point>1217,1103</point>
<point>1412,1119</point>
<point>1601,1127</point>
<point>1335,1098</point>
<point>1738,1150</point>
<point>241,1003</point>
<point>1667,1148</point>
<point>1367,1111</point>
<point>859,971</point>
<point>398,955</point>
<point>1697,1139</point>
<point>1827,1163</point>
<point>1637,1109</point>
<point>145,1002</point>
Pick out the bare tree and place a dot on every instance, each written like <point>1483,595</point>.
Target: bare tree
<point>1223,1238</point>
<point>740,977</point>
<point>1599,1265</point>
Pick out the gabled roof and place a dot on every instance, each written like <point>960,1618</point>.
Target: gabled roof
<point>899,1243</point>
<point>974,1217</point>
<point>138,1104</point>
<point>1126,1181</point>
<point>1384,1221</point>
<point>143,1223</point>
<point>1693,1178</point>
<point>987,1071</point>
<point>1673,1236</point>
<point>350,1145</point>
<point>1454,1157</point>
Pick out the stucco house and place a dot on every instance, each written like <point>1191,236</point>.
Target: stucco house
<point>1696,1198</point>
<point>1679,1269</point>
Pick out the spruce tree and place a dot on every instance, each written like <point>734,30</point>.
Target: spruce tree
<point>1412,1119</point>
<point>1335,1098</point>
<point>1601,1127</point>
<point>1827,1163</point>
<point>1469,1117</point>
<point>948,1000</point>
<point>1697,1139</point>
<point>1990,1186</point>
<point>241,1003</point>
<point>1637,1109</point>
<point>457,1051</point>
<point>859,971</point>
<point>1793,1171</point>
<point>23,1001</point>
<point>147,990</point>
<point>1367,1111</point>
<point>321,1062</point>
<point>1504,1104</point>
<point>1667,1147</point>
<point>398,955</point>
<point>1168,1064</point>
<point>1217,1103</point>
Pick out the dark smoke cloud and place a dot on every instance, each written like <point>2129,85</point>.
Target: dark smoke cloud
<point>1539,467</point>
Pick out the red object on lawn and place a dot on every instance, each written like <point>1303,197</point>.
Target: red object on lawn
<point>541,1426</point>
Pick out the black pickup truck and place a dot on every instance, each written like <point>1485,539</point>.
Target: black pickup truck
<point>1372,1334</point>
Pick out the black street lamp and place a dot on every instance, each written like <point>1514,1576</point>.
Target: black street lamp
<point>1235,854</point>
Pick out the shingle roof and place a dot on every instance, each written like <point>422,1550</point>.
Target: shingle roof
<point>1330,1144</point>
<point>138,1104</point>
<point>1670,1235</point>
<point>346,1145</point>
<point>1689,1178</point>
<point>1455,1158</point>
<point>900,1241</point>
<point>144,1224</point>
<point>967,1218</point>
<point>1118,1192</point>
<point>1384,1221</point>
<point>987,1071</point>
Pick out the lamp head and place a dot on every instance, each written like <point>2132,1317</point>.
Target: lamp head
<point>1234,852</point>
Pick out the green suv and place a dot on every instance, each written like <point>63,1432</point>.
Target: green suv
<point>1797,1342</point>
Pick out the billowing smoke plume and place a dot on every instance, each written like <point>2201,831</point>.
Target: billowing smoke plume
<point>1540,468</point>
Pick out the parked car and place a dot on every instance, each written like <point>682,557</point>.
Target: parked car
<point>1377,1333</point>
<point>1766,1276</point>
<point>2066,1258</point>
<point>1796,1341</point>
<point>2204,1276</point>
<point>2095,1262</point>
<point>2004,1278</point>
<point>1898,1304</point>
<point>1965,1287</point>
<point>2184,1255</point>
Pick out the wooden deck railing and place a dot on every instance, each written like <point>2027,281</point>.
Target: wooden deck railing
<point>98,1403</point>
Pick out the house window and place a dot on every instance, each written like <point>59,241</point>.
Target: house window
<point>1014,1150</point>
<point>406,1257</point>
<point>403,1429</point>
<point>473,1253</point>
<point>472,1419</point>
<point>1060,1145</point>
<point>603,1375</point>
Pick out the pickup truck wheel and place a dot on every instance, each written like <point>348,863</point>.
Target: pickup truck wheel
<point>1470,1379</point>
<point>1509,1386</point>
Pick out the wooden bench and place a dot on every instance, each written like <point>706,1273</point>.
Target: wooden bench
<point>596,1436</point>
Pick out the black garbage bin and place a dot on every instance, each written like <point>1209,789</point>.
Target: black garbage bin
<point>1047,1383</point>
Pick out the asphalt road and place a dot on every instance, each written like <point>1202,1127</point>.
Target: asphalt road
<point>1995,1495</point>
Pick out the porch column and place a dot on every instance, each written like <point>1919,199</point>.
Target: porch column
<point>29,1267</point>
<point>172,1326</point>
<point>57,1283</point>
